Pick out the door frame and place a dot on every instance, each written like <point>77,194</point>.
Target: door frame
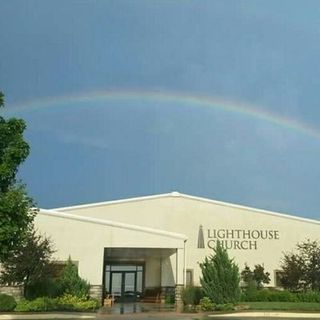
<point>123,263</point>
<point>123,296</point>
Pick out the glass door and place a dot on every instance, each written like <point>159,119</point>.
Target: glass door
<point>116,284</point>
<point>129,286</point>
<point>124,282</point>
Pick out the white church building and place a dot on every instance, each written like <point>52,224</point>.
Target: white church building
<point>136,246</point>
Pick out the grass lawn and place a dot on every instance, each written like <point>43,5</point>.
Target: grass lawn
<point>293,306</point>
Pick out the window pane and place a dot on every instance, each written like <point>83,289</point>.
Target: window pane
<point>129,282</point>
<point>124,268</point>
<point>189,277</point>
<point>139,282</point>
<point>107,282</point>
<point>116,284</point>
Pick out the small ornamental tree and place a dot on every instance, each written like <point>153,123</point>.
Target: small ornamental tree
<point>220,277</point>
<point>71,283</point>
<point>256,278</point>
<point>260,276</point>
<point>301,269</point>
<point>29,264</point>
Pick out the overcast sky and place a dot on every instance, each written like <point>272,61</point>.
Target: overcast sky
<point>112,94</point>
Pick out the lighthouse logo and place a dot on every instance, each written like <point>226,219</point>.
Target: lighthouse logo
<point>200,238</point>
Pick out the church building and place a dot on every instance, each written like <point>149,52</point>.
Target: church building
<point>154,244</point>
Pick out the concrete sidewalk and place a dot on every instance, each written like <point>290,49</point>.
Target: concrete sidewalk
<point>158,316</point>
<point>51,315</point>
<point>267,314</point>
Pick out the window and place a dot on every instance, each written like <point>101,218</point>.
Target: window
<point>189,277</point>
<point>56,268</point>
<point>277,278</point>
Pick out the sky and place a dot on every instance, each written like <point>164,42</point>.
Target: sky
<point>217,99</point>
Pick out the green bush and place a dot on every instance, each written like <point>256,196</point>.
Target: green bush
<point>47,287</point>
<point>70,283</point>
<point>170,298</point>
<point>37,305</point>
<point>224,307</point>
<point>192,295</point>
<point>7,303</point>
<point>64,303</point>
<point>73,303</point>
<point>206,304</point>
<point>309,296</point>
<point>266,295</point>
<point>269,295</point>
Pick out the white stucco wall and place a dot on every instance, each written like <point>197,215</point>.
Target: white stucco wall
<point>85,242</point>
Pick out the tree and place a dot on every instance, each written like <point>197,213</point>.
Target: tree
<point>220,277</point>
<point>257,278</point>
<point>71,283</point>
<point>16,215</point>
<point>30,263</point>
<point>301,269</point>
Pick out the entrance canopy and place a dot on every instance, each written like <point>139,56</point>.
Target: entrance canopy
<point>135,273</point>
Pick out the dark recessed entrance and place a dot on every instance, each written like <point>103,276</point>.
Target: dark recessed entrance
<point>124,281</point>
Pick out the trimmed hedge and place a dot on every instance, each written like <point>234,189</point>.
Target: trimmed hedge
<point>64,303</point>
<point>7,303</point>
<point>280,296</point>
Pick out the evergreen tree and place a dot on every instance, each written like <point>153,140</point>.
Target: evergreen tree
<point>71,283</point>
<point>220,277</point>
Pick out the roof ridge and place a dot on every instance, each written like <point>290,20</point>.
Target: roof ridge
<point>177,194</point>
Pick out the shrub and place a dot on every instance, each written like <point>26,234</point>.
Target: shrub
<point>73,303</point>
<point>309,296</point>
<point>47,287</point>
<point>7,303</point>
<point>37,305</point>
<point>206,304</point>
<point>64,303</point>
<point>269,295</point>
<point>192,295</point>
<point>70,283</point>
<point>220,277</point>
<point>224,307</point>
<point>170,298</point>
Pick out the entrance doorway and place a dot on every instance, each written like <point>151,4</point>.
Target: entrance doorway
<point>124,282</point>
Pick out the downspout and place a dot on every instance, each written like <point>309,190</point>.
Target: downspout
<point>184,264</point>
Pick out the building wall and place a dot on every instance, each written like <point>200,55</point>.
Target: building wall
<point>184,215</point>
<point>153,273</point>
<point>85,243</point>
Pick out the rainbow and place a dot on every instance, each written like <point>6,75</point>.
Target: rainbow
<point>224,105</point>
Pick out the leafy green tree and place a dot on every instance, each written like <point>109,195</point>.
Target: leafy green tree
<point>30,263</point>
<point>16,215</point>
<point>247,274</point>
<point>220,277</point>
<point>71,283</point>
<point>256,278</point>
<point>301,269</point>
<point>1,99</point>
